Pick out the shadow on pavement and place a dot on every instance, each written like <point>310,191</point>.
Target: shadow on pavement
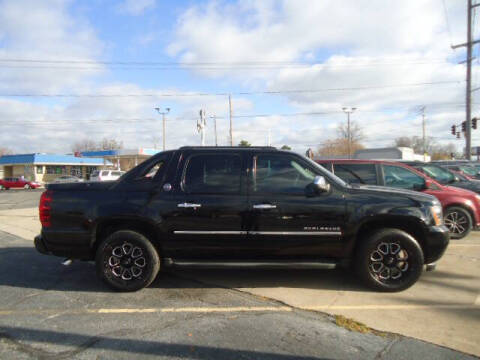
<point>24,267</point>
<point>135,347</point>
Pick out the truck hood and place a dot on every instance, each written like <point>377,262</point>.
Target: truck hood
<point>82,186</point>
<point>414,195</point>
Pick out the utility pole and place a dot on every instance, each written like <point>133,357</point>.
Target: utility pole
<point>201,125</point>
<point>231,124</point>
<point>348,111</point>
<point>214,117</point>
<point>163,113</point>
<point>469,44</point>
<point>422,109</point>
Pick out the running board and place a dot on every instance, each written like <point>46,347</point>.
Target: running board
<point>253,264</point>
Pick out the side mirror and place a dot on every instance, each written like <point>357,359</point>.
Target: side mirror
<point>428,184</point>
<point>321,185</point>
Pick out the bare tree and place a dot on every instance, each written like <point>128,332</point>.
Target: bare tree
<point>5,151</point>
<point>110,144</point>
<point>338,147</point>
<point>444,152</point>
<point>416,143</point>
<point>356,132</point>
<point>91,145</point>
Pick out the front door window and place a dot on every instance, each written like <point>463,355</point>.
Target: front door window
<point>281,175</point>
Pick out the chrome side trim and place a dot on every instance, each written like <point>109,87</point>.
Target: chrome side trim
<point>199,232</point>
<point>256,264</point>
<point>301,233</point>
<point>307,233</point>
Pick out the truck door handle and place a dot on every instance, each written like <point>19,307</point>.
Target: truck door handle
<point>189,205</point>
<point>264,206</point>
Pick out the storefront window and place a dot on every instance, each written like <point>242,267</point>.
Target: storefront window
<point>57,170</point>
<point>39,169</point>
<point>76,171</point>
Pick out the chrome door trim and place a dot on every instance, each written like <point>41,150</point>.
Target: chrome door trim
<point>201,232</point>
<point>288,233</point>
<point>306,233</point>
<point>189,205</point>
<point>264,206</point>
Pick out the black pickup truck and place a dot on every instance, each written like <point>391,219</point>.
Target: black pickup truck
<point>240,207</point>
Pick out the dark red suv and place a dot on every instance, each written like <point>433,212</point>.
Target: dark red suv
<point>15,182</point>
<point>461,207</point>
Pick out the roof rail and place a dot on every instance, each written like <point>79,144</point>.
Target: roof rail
<point>229,147</point>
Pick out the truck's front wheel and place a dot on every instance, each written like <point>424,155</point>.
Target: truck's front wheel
<point>389,260</point>
<point>127,261</point>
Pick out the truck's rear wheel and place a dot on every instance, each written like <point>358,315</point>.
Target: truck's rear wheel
<point>389,260</point>
<point>458,221</point>
<point>127,261</point>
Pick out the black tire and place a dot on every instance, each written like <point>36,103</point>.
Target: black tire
<point>127,261</point>
<point>381,247</point>
<point>456,219</point>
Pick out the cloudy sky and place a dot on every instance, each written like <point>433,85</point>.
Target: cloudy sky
<point>73,70</point>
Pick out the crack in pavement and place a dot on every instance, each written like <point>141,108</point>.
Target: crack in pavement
<point>382,353</point>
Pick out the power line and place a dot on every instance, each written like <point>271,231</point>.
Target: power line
<point>70,122</point>
<point>387,61</point>
<point>189,94</point>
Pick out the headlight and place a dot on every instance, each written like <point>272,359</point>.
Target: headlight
<point>437,214</point>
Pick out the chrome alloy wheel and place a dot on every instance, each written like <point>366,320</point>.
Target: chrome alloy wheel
<point>127,262</point>
<point>389,261</point>
<point>456,222</point>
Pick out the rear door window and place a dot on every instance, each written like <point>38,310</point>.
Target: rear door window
<point>357,173</point>
<point>213,174</point>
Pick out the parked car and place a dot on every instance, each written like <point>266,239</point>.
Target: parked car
<point>445,176</point>
<point>16,182</point>
<point>461,207</point>
<point>240,207</point>
<point>467,170</point>
<point>67,179</point>
<point>106,175</point>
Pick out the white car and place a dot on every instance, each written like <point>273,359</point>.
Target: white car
<point>67,179</point>
<point>106,175</point>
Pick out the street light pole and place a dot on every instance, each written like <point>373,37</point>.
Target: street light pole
<point>214,117</point>
<point>163,113</point>
<point>348,111</point>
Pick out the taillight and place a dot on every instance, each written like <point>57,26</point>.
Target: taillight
<point>44,208</point>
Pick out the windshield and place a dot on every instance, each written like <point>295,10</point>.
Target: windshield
<point>469,170</point>
<point>326,172</point>
<point>441,175</point>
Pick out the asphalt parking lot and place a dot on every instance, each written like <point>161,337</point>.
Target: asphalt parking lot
<point>51,311</point>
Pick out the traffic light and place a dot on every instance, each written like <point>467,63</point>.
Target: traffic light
<point>454,129</point>
<point>474,123</point>
<point>464,126</point>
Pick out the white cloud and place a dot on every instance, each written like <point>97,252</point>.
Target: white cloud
<point>136,7</point>
<point>44,30</point>
<point>359,44</point>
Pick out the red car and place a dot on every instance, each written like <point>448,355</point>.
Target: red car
<point>461,207</point>
<point>15,182</point>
